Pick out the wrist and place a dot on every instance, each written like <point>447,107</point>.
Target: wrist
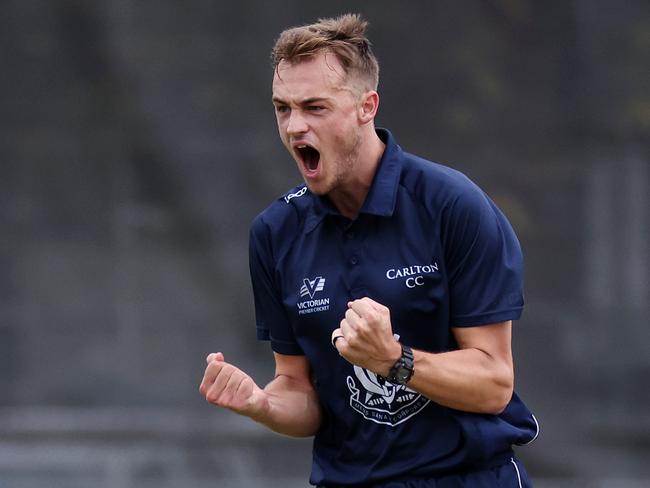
<point>394,354</point>
<point>404,368</point>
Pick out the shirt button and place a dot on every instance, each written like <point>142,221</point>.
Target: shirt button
<point>354,260</point>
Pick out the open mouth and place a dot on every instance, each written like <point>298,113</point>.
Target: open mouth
<point>309,156</point>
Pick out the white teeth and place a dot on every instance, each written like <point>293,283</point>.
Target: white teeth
<point>302,146</point>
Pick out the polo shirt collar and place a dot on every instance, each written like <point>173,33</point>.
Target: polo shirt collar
<point>382,195</point>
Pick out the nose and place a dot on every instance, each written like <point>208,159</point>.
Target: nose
<point>297,124</point>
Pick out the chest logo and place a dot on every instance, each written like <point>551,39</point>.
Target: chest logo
<point>412,275</point>
<point>311,287</point>
<point>308,290</point>
<point>382,402</point>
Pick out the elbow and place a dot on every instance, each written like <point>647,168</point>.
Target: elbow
<point>499,402</point>
<point>301,434</point>
<point>501,393</point>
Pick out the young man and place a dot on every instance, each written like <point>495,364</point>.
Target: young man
<point>387,286</point>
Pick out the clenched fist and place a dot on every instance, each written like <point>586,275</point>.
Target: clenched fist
<point>365,336</point>
<point>226,386</point>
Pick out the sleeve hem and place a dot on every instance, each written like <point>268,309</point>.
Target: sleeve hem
<point>281,347</point>
<point>487,318</point>
<point>285,348</point>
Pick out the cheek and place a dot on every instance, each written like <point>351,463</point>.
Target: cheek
<point>346,138</point>
<point>282,132</point>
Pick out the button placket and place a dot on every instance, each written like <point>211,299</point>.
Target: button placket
<point>351,246</point>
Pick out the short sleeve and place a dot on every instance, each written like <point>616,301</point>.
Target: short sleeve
<point>483,260</point>
<point>270,317</point>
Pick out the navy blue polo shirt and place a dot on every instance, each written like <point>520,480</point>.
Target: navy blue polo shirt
<point>434,249</point>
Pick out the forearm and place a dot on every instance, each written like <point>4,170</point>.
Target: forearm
<point>477,377</point>
<point>291,408</point>
<point>466,379</point>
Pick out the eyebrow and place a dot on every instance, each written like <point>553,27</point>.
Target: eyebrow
<point>306,101</point>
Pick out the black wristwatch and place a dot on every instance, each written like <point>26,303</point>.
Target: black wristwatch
<point>403,369</point>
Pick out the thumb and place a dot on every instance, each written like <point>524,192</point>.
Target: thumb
<point>215,356</point>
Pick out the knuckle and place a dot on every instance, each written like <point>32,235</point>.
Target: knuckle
<point>372,316</point>
<point>226,372</point>
<point>352,337</point>
<point>232,383</point>
<point>212,397</point>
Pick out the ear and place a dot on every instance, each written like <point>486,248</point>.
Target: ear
<point>368,106</point>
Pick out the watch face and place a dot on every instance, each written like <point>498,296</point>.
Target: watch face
<point>402,375</point>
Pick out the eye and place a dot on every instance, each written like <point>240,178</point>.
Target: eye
<point>315,108</point>
<point>281,109</point>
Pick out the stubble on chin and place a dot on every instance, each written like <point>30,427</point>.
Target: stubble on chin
<point>343,167</point>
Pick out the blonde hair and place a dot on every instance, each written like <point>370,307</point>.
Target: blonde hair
<point>343,36</point>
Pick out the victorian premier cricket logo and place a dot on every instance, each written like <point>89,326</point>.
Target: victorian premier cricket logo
<point>383,402</point>
<point>308,290</point>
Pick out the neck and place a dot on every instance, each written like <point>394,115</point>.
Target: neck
<point>350,197</point>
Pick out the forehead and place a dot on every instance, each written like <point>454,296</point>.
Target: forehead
<point>318,75</point>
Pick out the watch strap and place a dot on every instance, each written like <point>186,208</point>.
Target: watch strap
<point>403,369</point>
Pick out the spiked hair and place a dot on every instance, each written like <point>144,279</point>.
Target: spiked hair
<point>342,36</point>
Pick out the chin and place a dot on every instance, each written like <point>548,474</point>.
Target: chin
<point>317,189</point>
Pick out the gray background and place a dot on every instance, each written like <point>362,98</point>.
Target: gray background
<point>137,142</point>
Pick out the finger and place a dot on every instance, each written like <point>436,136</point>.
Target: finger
<point>353,318</point>
<point>379,307</point>
<point>336,334</point>
<point>346,329</point>
<point>224,375</point>
<point>341,345</point>
<point>364,309</point>
<point>229,393</point>
<point>350,335</point>
<point>215,391</point>
<point>211,372</point>
<point>370,303</point>
<point>215,356</point>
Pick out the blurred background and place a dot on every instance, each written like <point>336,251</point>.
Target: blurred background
<point>138,141</point>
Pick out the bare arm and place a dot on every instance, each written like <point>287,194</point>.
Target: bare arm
<point>478,377</point>
<point>288,404</point>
